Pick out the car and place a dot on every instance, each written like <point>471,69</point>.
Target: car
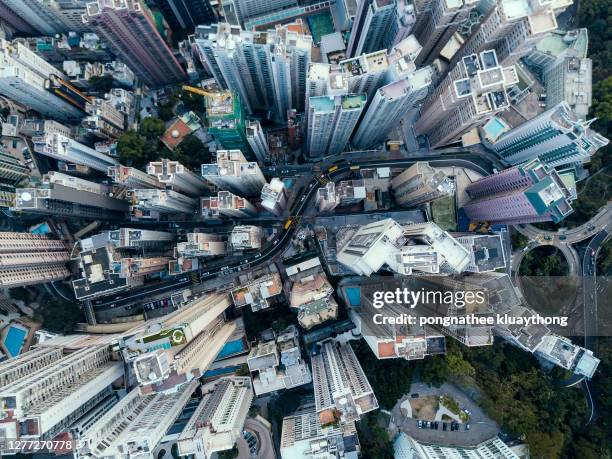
<point>444,426</point>
<point>467,427</point>
<point>436,425</point>
<point>419,423</point>
<point>414,395</point>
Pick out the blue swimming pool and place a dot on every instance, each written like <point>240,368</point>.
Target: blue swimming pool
<point>13,342</point>
<point>354,295</point>
<point>494,127</point>
<point>231,348</point>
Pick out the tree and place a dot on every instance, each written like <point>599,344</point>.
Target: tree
<point>131,149</point>
<point>152,128</point>
<point>545,446</point>
<point>165,112</point>
<point>60,317</point>
<point>102,83</point>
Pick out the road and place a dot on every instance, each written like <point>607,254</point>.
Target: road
<point>470,161</point>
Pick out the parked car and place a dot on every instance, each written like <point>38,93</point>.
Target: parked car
<point>414,395</point>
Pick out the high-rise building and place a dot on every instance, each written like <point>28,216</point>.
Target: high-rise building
<point>201,245</point>
<point>331,121</point>
<point>471,93</point>
<point>246,9</point>
<point>12,172</point>
<point>225,118</point>
<point>218,421</point>
<point>23,78</point>
<point>246,237</point>
<point>436,22</point>
<point>56,389</point>
<point>27,259</point>
<point>342,391</point>
<point>103,119</point>
<point>65,149</point>
<point>62,195</point>
<point>257,140</point>
<point>454,257</point>
<point>421,183</point>
<point>268,69</point>
<point>129,28</point>
<point>406,447</point>
<point>168,352</point>
<point>372,27</point>
<point>232,172</point>
<point>153,203</point>
<point>555,137</point>
<point>47,18</point>
<point>384,243</point>
<point>274,196</point>
<point>512,29</point>
<point>107,267</point>
<point>389,105</point>
<point>303,436</point>
<point>15,21</point>
<point>531,192</point>
<point>135,425</point>
<point>187,14</point>
<point>176,177</point>
<point>226,204</point>
<point>265,359</point>
<point>486,251</point>
<point>130,177</point>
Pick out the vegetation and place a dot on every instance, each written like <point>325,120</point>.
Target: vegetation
<point>373,437</point>
<point>228,454</point>
<point>390,379</point>
<point>102,84</point>
<point>544,261</point>
<point>604,260</point>
<point>59,317</point>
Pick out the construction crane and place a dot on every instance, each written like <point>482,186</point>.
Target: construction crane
<point>204,93</point>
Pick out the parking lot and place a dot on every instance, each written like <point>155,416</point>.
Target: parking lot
<point>481,427</point>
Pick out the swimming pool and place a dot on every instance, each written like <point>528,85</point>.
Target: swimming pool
<point>495,127</point>
<point>354,295</point>
<point>15,337</point>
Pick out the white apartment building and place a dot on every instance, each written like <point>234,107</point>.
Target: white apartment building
<point>200,245</point>
<point>474,91</point>
<point>389,105</point>
<point>421,183</point>
<point>168,352</point>
<point>556,137</point>
<point>232,172</point>
<point>226,204</point>
<point>265,359</point>
<point>331,121</point>
<point>436,22</point>
<point>218,421</point>
<point>65,149</point>
<point>62,195</point>
<point>28,259</point>
<point>454,257</point>
<point>176,177</point>
<point>268,69</point>
<point>406,447</point>
<point>513,28</point>
<point>342,391</point>
<point>131,177</point>
<point>302,436</point>
<point>257,140</point>
<point>135,425</point>
<point>246,237</point>
<point>147,202</point>
<point>274,196</point>
<point>55,390</point>
<point>23,75</point>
